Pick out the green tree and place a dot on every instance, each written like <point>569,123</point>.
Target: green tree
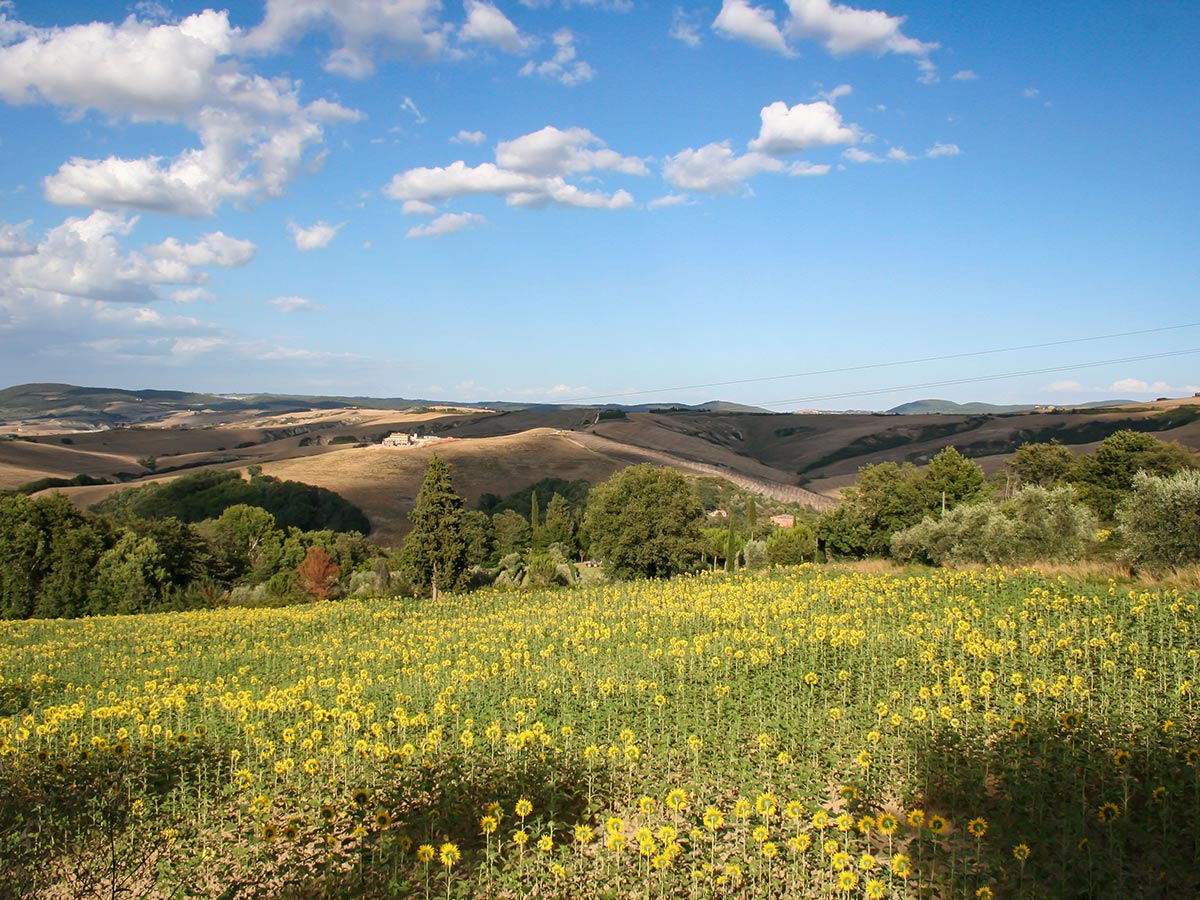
<point>512,531</point>
<point>248,545</point>
<point>1159,522</point>
<point>951,479</point>
<point>480,537</point>
<point>535,524</point>
<point>644,522</point>
<point>559,525</point>
<point>436,548</point>
<point>1104,477</point>
<point>791,546</point>
<point>130,578</point>
<point>1041,464</point>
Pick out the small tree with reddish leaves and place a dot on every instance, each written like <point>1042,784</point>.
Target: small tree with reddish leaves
<point>317,573</point>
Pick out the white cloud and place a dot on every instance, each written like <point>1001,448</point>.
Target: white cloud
<point>839,28</point>
<point>551,151</point>
<point>409,106</point>
<point>1030,93</point>
<point>295,305</point>
<point>13,241</point>
<point>899,154</point>
<point>191,295</point>
<point>486,24</point>
<point>786,131</point>
<point>669,200</point>
<point>446,224</point>
<point>739,20</point>
<point>469,137</point>
<point>685,27</point>
<point>857,155</point>
<point>1158,387</point>
<point>363,29</point>
<point>255,134</point>
<point>716,169</point>
<point>842,90</point>
<point>607,5</point>
<point>82,257</point>
<point>942,150</point>
<point>964,75</point>
<point>804,168</point>
<point>563,66</point>
<point>314,237</point>
<point>418,208</point>
<point>529,172</point>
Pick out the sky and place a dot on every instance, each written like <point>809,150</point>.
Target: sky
<point>796,204</point>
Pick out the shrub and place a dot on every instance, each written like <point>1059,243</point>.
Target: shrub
<point>1160,521</point>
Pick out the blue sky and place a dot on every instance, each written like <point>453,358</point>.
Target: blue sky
<point>551,200</point>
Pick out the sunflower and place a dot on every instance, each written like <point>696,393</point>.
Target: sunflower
<point>713,818</point>
<point>425,853</point>
<point>1018,726</point>
<point>269,832</point>
<point>977,827</point>
<point>847,881</point>
<point>584,833</point>
<point>840,860</point>
<point>448,854</point>
<point>794,810</point>
<point>1069,720</point>
<point>646,805</point>
<point>916,818</point>
<point>545,843</point>
<point>1159,794</point>
<point>984,893</point>
<point>361,797</point>
<point>867,862</point>
<point>1021,852</point>
<point>848,792</point>
<point>1121,758</point>
<point>291,831</point>
<point>820,820</point>
<point>328,813</point>
<point>760,834</point>
<point>741,807</point>
<point>875,889</point>
<point>523,808</point>
<point>765,805</point>
<point>383,819</point>
<point>901,865</point>
<point>799,843</point>
<point>489,824</point>
<point>937,824</point>
<point>769,850</point>
<point>1192,756</point>
<point>520,837</point>
<point>677,799</point>
<point>1109,812</point>
<point>886,824</point>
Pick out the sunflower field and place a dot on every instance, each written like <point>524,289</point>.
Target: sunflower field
<point>803,733</point>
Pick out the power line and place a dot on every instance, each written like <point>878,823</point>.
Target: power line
<point>884,365</point>
<point>978,378</point>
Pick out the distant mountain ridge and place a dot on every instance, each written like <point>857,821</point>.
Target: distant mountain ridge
<point>949,407</point>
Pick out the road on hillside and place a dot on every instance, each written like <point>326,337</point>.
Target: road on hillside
<point>784,493</point>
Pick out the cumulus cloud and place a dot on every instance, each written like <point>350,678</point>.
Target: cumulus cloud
<point>486,24</point>
<point>83,257</point>
<point>858,155</point>
<point>254,132</point>
<point>552,151</point>
<point>469,137</point>
<point>295,305</point>
<point>608,5</point>
<point>315,237</point>
<point>362,30</point>
<point>13,241</point>
<point>418,208</point>
<point>446,224</point>
<point>788,130</point>
<point>942,150</point>
<point>563,67</point>
<point>755,25</point>
<point>530,171</point>
<point>669,200</point>
<point>839,28</point>
<point>964,75</point>
<point>716,169</point>
<point>1158,387</point>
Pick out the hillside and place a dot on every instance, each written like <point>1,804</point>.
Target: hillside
<point>800,458</point>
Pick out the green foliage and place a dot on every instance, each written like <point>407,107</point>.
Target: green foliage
<point>645,522</point>
<point>43,484</point>
<point>1042,464</point>
<point>575,492</point>
<point>559,526</point>
<point>889,498</point>
<point>130,578</point>
<point>512,531</point>
<point>47,552</point>
<point>480,537</point>
<point>436,548</point>
<point>791,546</point>
<point>208,493</point>
<point>1104,477</point>
<point>1160,520</point>
<point>246,542</point>
<point>1036,524</point>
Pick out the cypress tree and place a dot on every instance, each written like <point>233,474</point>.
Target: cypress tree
<point>436,548</point>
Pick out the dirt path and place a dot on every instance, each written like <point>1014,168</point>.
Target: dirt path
<point>784,493</point>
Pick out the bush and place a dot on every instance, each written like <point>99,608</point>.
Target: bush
<point>1036,524</point>
<point>1160,521</point>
